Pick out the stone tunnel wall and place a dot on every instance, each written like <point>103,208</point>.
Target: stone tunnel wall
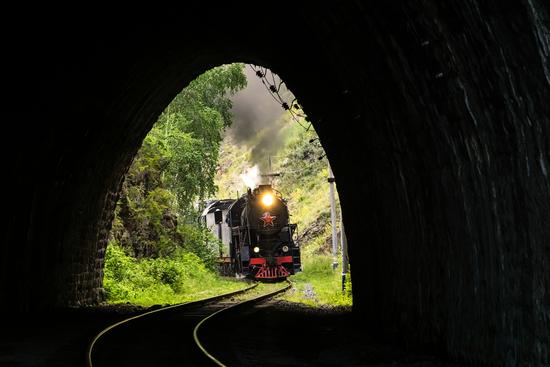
<point>435,117</point>
<point>453,168</point>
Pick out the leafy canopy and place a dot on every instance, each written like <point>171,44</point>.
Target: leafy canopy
<point>175,167</point>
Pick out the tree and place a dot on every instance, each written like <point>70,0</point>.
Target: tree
<point>192,126</point>
<point>176,166</point>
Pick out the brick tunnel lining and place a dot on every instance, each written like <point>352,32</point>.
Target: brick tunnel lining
<point>433,117</point>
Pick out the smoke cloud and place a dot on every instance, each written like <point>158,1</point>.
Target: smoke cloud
<point>257,119</point>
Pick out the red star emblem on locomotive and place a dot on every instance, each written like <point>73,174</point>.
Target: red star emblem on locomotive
<point>268,219</point>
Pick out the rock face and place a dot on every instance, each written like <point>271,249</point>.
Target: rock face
<point>435,117</point>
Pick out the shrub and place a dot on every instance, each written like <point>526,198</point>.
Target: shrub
<point>178,278</point>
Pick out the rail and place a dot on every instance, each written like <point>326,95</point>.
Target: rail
<point>217,313</point>
<point>98,336</point>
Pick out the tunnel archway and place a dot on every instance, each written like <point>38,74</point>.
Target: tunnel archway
<point>433,117</point>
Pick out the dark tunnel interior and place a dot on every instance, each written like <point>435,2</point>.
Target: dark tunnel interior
<point>434,115</point>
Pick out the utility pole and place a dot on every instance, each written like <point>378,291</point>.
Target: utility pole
<point>270,171</point>
<point>333,218</point>
<point>344,247</point>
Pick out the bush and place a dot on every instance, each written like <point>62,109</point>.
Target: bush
<point>178,278</point>
<point>195,241</point>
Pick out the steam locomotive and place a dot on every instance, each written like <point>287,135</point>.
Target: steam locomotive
<point>257,236</point>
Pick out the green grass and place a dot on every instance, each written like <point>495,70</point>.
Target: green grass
<point>319,285</point>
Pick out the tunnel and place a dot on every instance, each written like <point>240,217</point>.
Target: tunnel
<point>434,116</point>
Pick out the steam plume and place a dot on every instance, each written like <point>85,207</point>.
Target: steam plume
<point>251,177</point>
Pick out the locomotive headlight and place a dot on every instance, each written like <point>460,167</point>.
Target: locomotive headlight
<point>285,248</point>
<point>267,199</point>
<point>256,249</point>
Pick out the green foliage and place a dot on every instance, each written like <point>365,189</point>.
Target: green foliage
<point>158,253</point>
<point>201,242</point>
<point>182,277</point>
<point>210,89</point>
<point>174,168</point>
<point>192,126</point>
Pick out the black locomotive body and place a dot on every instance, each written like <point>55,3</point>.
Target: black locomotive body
<point>262,245</point>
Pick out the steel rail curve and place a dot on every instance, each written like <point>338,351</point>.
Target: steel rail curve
<point>210,317</point>
<point>90,348</point>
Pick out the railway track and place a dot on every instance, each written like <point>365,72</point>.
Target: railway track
<point>169,336</point>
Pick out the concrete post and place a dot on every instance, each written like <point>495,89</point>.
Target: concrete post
<point>333,218</point>
<point>344,247</point>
